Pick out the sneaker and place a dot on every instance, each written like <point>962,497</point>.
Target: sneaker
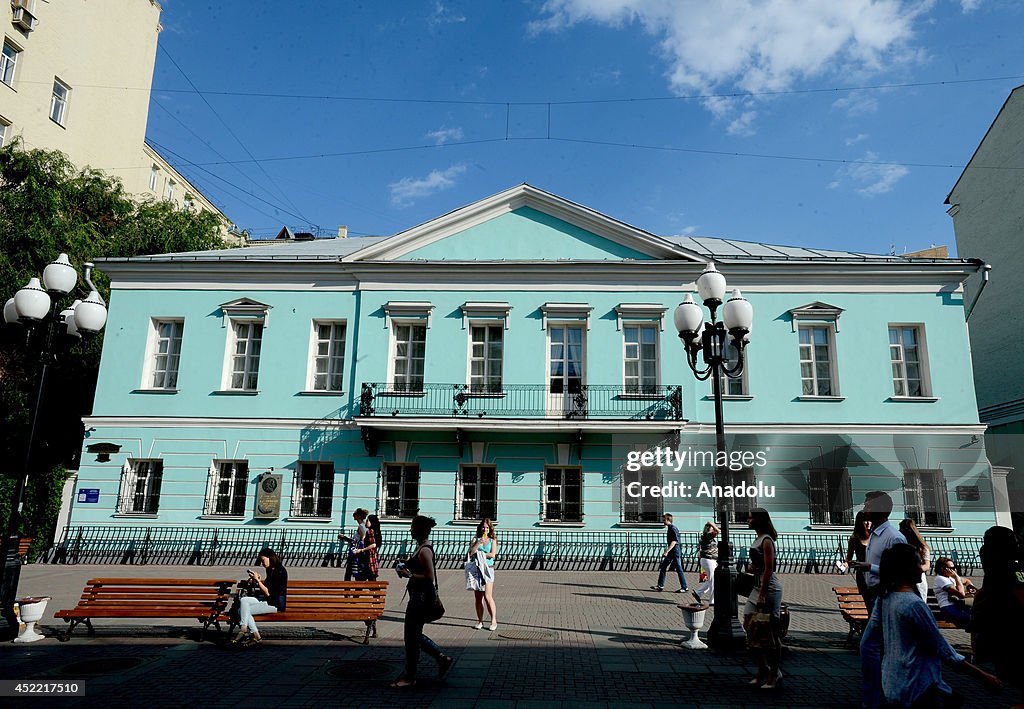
<point>478,626</point>
<point>657,588</point>
<point>682,590</point>
<point>494,626</point>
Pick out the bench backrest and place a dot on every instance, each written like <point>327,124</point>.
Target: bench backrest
<point>335,595</point>
<point>164,592</point>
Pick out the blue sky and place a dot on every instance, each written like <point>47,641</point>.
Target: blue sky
<point>729,119</point>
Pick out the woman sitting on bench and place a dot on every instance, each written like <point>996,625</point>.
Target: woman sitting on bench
<point>269,596</point>
<point>948,586</point>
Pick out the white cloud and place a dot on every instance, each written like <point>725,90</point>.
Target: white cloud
<point>857,103</point>
<point>409,189</point>
<point>969,5</point>
<point>445,135</point>
<point>873,176</point>
<point>753,45</point>
<point>443,15</point>
<point>856,139</point>
<point>689,230</point>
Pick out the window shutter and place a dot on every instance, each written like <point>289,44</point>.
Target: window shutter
<point>912,496</point>
<point>817,497</point>
<point>211,489</point>
<point>127,494</point>
<point>156,475</point>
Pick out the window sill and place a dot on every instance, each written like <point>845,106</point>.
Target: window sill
<point>545,523</point>
<point>230,518</point>
<point>830,528</point>
<point>58,123</point>
<point>469,522</point>
<point>136,515</point>
<point>821,398</point>
<point>321,393</point>
<point>940,530</point>
<point>155,391</point>
<point>395,520</point>
<point>733,397</point>
<point>920,399</point>
<point>640,525</point>
<point>317,520</point>
<point>236,392</point>
<point>4,83</point>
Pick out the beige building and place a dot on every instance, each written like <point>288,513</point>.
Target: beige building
<point>75,76</point>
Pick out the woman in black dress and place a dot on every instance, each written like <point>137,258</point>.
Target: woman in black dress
<point>421,572</point>
<point>857,547</point>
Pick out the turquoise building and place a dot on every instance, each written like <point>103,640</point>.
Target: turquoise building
<point>514,359</point>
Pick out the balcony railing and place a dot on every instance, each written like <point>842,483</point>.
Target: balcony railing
<point>583,402</point>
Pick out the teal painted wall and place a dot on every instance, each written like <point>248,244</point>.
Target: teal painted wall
<point>524,234</point>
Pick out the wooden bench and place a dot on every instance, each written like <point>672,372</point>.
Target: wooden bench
<point>329,601</point>
<point>202,599</point>
<point>24,543</point>
<point>855,611</point>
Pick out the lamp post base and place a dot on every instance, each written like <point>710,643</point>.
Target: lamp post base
<point>726,635</point>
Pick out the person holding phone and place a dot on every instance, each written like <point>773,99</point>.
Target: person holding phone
<point>268,596</point>
<point>485,542</point>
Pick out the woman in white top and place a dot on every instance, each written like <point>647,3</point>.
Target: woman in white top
<point>947,586</point>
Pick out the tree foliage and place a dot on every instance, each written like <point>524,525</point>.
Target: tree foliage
<point>48,206</point>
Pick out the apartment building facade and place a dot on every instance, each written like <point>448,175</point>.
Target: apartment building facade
<point>75,76</point>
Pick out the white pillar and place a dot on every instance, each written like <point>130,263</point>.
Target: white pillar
<point>67,499</point>
<point>1001,496</point>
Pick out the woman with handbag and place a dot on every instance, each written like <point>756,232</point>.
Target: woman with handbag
<point>424,604</point>
<point>761,618</point>
<point>486,543</point>
<point>367,566</point>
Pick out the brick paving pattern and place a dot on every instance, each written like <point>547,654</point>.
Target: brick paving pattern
<point>565,639</point>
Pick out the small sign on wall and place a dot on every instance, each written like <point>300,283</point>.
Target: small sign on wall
<point>89,495</point>
<point>268,496</point>
<point>967,493</point>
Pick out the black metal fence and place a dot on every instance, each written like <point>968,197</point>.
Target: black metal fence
<point>542,549</point>
<point>585,401</point>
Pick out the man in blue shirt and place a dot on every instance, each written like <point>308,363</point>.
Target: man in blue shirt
<point>877,508</point>
<point>673,557</point>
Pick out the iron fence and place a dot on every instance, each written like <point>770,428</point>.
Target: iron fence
<point>585,401</point>
<point>534,549</point>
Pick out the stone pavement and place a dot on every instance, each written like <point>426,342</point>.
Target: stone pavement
<point>565,639</point>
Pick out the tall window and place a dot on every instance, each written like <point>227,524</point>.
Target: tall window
<point>314,490</point>
<point>478,492</point>
<point>925,497</point>
<point>831,496</point>
<point>485,359</point>
<point>563,494</point>
<point>739,507</point>
<point>641,358</point>
<point>8,62</point>
<point>401,491</point>
<point>245,359</point>
<point>140,487</point>
<point>906,353</point>
<point>646,508</point>
<point>409,353</point>
<point>3,131</point>
<point>154,173</point>
<point>169,191</point>
<point>817,361</point>
<point>565,359</point>
<point>59,102</point>
<point>166,353</point>
<point>328,365</point>
<point>735,386</point>
<point>229,488</point>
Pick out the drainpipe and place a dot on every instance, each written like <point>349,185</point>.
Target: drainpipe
<point>984,268</point>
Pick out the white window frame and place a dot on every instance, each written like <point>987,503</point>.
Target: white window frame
<point>333,356</point>
<point>562,486</point>
<point>639,388</point>
<point>832,361</point>
<point>633,508</point>
<point>922,354</point>
<point>169,190</point>
<point>154,175</point>
<point>9,63</point>
<point>141,480</point>
<point>151,368</point>
<point>393,356</point>
<point>251,360</point>
<point>734,387</point>
<point>58,103</point>
<point>460,492</point>
<point>187,202</point>
<point>486,388</point>
<point>406,471</point>
<point>4,125</point>
<point>321,487</point>
<point>233,473</point>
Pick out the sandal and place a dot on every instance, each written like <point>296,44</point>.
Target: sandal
<point>402,683</point>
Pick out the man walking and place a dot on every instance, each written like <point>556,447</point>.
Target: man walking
<point>673,556</point>
<point>877,508</point>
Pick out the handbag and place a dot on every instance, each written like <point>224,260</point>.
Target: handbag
<point>474,579</point>
<point>760,634</point>
<point>744,584</point>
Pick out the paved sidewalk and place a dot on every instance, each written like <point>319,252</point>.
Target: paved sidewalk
<point>595,639</point>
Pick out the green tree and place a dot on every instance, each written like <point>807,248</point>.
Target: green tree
<point>48,206</point>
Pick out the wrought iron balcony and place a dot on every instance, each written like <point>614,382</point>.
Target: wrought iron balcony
<point>583,402</point>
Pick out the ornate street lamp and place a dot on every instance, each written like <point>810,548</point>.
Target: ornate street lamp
<point>712,338</point>
<point>36,307</point>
